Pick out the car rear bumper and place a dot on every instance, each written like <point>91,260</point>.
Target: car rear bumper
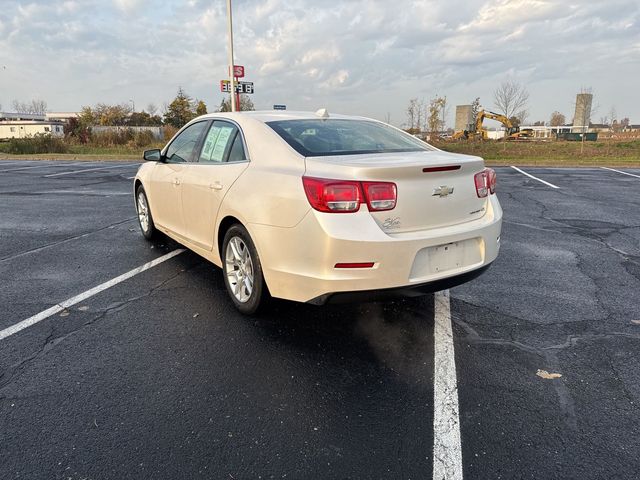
<point>299,262</point>
<point>398,292</point>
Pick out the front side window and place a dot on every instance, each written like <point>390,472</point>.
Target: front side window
<point>182,147</point>
<point>223,143</point>
<point>314,138</point>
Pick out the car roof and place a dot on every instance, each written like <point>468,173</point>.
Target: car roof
<point>275,115</point>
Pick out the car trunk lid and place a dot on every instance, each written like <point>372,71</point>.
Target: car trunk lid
<point>435,188</point>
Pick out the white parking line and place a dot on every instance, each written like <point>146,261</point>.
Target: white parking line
<point>6,163</point>
<point>620,171</point>
<point>535,178</point>
<point>447,448</point>
<point>7,332</point>
<point>38,166</point>
<point>89,170</point>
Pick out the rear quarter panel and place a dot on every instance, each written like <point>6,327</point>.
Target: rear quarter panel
<point>269,192</point>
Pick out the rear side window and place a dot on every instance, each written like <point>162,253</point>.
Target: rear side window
<point>236,154</point>
<point>314,138</point>
<point>223,143</point>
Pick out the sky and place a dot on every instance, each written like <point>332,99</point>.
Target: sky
<point>361,57</point>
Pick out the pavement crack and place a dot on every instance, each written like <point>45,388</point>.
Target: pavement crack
<point>13,372</point>
<point>75,237</point>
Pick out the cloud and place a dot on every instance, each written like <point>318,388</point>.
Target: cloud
<point>128,6</point>
<point>499,15</point>
<point>357,56</point>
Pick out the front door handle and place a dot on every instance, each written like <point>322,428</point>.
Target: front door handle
<point>176,181</point>
<point>215,186</point>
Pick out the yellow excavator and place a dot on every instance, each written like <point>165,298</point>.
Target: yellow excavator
<point>512,133</point>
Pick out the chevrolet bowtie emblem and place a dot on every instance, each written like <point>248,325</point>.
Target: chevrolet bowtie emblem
<point>442,191</point>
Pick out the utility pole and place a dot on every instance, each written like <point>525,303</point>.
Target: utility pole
<point>234,107</point>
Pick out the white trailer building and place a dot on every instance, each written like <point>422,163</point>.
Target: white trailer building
<point>28,128</point>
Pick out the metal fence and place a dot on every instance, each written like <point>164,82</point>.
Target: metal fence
<point>157,132</point>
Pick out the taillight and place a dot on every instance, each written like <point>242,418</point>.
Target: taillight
<point>380,196</point>
<point>345,196</point>
<point>485,182</point>
<point>493,179</point>
<point>332,195</point>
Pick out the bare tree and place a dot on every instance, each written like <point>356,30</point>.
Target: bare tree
<point>35,107</point>
<point>246,104</point>
<point>387,118</point>
<point>511,98</point>
<point>476,107</point>
<point>613,114</point>
<point>624,123</point>
<point>152,109</point>
<point>19,107</point>
<point>437,106</point>
<point>522,116</point>
<point>412,113</point>
<point>38,107</point>
<point>421,119</point>
<point>444,112</point>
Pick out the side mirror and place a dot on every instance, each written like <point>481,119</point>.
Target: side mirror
<point>152,155</point>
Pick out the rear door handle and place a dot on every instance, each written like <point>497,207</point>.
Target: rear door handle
<point>215,186</point>
<point>176,181</point>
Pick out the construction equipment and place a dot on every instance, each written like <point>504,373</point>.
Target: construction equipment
<point>512,133</point>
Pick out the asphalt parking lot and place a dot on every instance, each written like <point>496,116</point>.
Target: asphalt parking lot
<point>155,375</point>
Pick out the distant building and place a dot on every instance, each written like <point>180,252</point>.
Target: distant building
<point>464,118</point>
<point>61,116</point>
<point>14,116</point>
<point>21,125</point>
<point>28,128</point>
<point>495,134</point>
<point>546,131</point>
<point>582,115</point>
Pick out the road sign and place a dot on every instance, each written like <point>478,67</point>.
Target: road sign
<point>279,107</point>
<point>240,87</point>
<point>238,71</point>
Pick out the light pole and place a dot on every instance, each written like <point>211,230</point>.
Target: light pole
<point>234,107</point>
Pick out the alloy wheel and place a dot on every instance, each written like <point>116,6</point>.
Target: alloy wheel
<point>239,268</point>
<point>143,212</point>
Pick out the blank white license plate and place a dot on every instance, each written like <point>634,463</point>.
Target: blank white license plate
<point>446,257</point>
<point>458,255</point>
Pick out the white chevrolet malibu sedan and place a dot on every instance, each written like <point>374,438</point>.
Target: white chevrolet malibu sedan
<point>314,207</point>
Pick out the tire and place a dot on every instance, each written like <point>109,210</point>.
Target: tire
<point>145,220</point>
<point>243,271</point>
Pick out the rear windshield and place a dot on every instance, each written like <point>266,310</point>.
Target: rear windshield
<point>316,138</point>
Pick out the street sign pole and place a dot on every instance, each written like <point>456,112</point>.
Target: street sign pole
<point>237,94</point>
<point>231,76</point>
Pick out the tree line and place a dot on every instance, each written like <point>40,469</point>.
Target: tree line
<point>182,109</point>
